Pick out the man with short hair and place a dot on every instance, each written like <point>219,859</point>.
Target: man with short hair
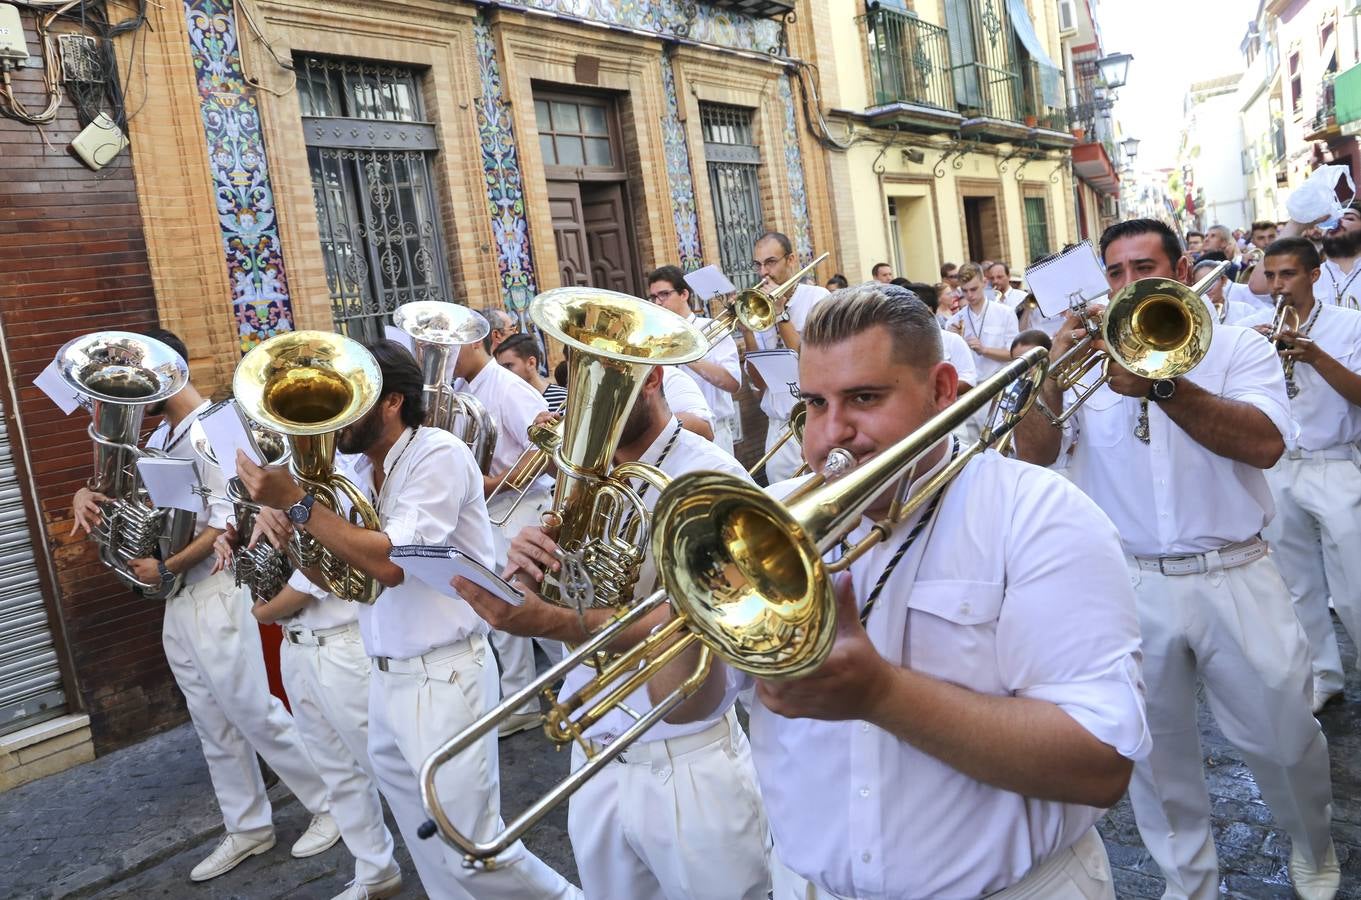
<point>1176,463</point>
<point>503,325</point>
<point>882,273</point>
<point>955,351</point>
<point>999,277</point>
<point>988,328</point>
<point>1263,234</point>
<point>520,354</point>
<point>1226,311</point>
<point>837,282</point>
<point>981,703</point>
<point>1317,484</point>
<point>1218,239</point>
<point>1194,242</point>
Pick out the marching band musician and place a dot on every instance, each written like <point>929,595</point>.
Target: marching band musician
<point>433,672</point>
<point>1225,309</point>
<point>1177,465</point>
<point>775,261</point>
<point>677,816</point>
<point>982,701</point>
<point>718,374</point>
<point>1339,272</point>
<point>1317,484</point>
<point>520,353</point>
<point>213,647</point>
<point>988,327</point>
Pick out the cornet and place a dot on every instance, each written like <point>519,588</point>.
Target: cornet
<point>746,578</point>
<point>1251,259</point>
<point>754,308</point>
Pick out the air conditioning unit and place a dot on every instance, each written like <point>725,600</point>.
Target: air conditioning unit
<point>1067,16</point>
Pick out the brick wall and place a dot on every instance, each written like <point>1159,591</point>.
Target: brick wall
<point>73,260</point>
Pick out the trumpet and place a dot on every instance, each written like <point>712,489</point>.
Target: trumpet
<point>1286,318</point>
<point>755,309</point>
<point>745,576</point>
<point>1154,327</point>
<point>307,385</point>
<point>798,416</point>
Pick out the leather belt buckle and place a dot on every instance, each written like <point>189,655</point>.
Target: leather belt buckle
<point>382,663</point>
<point>292,637</point>
<point>1178,561</point>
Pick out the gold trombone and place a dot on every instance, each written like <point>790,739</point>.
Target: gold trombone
<point>798,416</point>
<point>754,308</point>
<point>745,576</point>
<point>1154,327</point>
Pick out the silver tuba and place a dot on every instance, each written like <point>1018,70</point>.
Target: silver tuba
<point>437,330</point>
<point>262,568</point>
<point>117,375</point>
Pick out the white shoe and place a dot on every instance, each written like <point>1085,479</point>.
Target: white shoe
<point>517,723</point>
<point>1312,883</point>
<point>371,890</point>
<point>1322,700</point>
<point>320,836</point>
<point>230,852</point>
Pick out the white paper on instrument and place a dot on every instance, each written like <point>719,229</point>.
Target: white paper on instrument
<point>226,434</point>
<point>393,333</point>
<point>171,483</point>
<point>50,382</point>
<point>777,367</point>
<point>709,282</point>
<point>438,566</point>
<point>1058,281</point>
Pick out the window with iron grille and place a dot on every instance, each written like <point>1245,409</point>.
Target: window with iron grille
<point>1037,227</point>
<point>369,151</point>
<point>733,162</point>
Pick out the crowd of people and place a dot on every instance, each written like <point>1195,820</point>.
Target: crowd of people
<point>986,696</point>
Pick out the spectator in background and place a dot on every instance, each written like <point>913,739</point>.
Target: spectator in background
<point>560,371</point>
<point>1194,240</point>
<point>999,276</point>
<point>837,282</point>
<point>882,273</point>
<point>521,354</point>
<point>987,327</point>
<point>950,299</point>
<point>1226,310</point>
<point>503,325</point>
<point>1263,234</point>
<point>953,348</point>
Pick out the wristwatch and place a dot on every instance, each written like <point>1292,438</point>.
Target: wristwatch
<point>301,511</point>
<point>1163,389</point>
<point>167,576</point>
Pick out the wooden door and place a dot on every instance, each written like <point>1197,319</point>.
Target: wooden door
<point>608,239</point>
<point>569,233</point>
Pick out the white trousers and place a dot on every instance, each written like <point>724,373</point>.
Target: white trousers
<point>412,711</point>
<point>328,688</point>
<point>1234,629</point>
<point>787,459</point>
<point>723,434</point>
<point>1080,872</point>
<point>213,646</point>
<point>1316,540</point>
<point>677,819</point>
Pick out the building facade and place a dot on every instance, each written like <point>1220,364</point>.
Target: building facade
<point>1210,155</point>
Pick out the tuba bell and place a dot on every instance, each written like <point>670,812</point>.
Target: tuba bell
<point>308,385</point>
<point>117,375</point>
<point>261,569</point>
<point>437,331</point>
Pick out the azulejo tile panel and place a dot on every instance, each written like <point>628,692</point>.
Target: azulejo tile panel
<point>678,174</point>
<point>241,187</point>
<point>502,177</point>
<point>675,18</point>
<point>793,162</point>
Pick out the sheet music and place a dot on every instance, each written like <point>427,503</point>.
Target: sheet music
<point>171,483</point>
<point>1074,275</point>
<point>709,282</point>
<point>777,367</point>
<point>437,566</point>
<point>393,333</point>
<point>227,433</point>
<point>50,382</point>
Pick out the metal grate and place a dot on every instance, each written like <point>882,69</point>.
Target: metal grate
<point>909,60</point>
<point>358,89</point>
<point>733,161</point>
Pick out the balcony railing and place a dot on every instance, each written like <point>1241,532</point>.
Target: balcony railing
<point>909,60</point>
<point>1038,81</point>
<point>1325,111</point>
<point>988,91</point>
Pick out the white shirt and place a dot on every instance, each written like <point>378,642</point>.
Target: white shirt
<point>512,404</point>
<point>776,403</point>
<point>1241,293</point>
<point>723,354</point>
<point>1173,496</point>
<point>326,609</point>
<point>689,453</point>
<point>432,495</point>
<point>994,325</point>
<point>683,393</point>
<point>989,599</point>
<point>1233,311</point>
<point>1337,287</point>
<point>1324,416</point>
<point>958,354</point>
<point>1011,298</point>
<point>216,510</point>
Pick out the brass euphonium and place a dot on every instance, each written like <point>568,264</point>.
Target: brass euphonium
<point>438,330</point>
<point>308,385</point>
<point>745,576</point>
<point>754,308</point>
<point>262,569</point>
<point>117,375</point>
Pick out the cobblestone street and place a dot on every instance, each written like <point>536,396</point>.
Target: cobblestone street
<point>133,823</point>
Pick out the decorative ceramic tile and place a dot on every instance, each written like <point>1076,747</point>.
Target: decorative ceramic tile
<point>501,175</point>
<point>678,175</point>
<point>675,18</point>
<point>793,163</point>
<point>236,156</point>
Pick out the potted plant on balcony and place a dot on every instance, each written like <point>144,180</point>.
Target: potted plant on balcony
<point>1031,121</point>
<point>1079,132</point>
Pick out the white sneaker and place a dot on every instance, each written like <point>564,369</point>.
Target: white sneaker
<point>371,890</point>
<point>230,852</point>
<point>1326,699</point>
<point>320,836</point>
<point>1312,883</point>
<point>518,723</point>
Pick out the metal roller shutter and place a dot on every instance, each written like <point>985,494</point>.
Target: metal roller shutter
<point>30,680</point>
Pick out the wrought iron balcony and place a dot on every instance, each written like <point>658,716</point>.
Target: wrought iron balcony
<point>909,60</point>
<point>1324,123</point>
<point>1042,99</point>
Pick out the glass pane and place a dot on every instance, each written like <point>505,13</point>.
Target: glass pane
<point>570,152</point>
<point>541,115</point>
<point>565,117</point>
<point>593,120</point>
<point>598,151</point>
<point>546,148</point>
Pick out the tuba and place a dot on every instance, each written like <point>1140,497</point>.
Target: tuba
<point>1154,327</point>
<point>745,576</point>
<point>262,569</point>
<point>754,308</point>
<point>307,385</point>
<point>117,375</point>
<point>437,330</point>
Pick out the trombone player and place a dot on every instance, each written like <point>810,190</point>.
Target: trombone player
<point>982,702</point>
<point>1177,465</point>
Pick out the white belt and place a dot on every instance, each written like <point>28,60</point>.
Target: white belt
<point>1226,557</point>
<point>414,664</point>
<point>1341,451</point>
<point>319,637</point>
<point>646,752</point>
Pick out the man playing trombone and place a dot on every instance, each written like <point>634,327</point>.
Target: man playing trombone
<point>981,702</point>
<point>1177,465</point>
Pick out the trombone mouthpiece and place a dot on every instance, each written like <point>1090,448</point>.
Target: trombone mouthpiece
<point>839,462</point>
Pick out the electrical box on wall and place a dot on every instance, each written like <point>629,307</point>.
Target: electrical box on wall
<point>13,44</point>
<point>99,142</point>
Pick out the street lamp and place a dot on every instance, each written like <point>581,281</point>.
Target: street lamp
<point>1114,69</point>
<point>1131,147</point>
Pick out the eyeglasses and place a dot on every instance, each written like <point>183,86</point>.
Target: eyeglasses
<point>758,265</point>
<point>659,296</point>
